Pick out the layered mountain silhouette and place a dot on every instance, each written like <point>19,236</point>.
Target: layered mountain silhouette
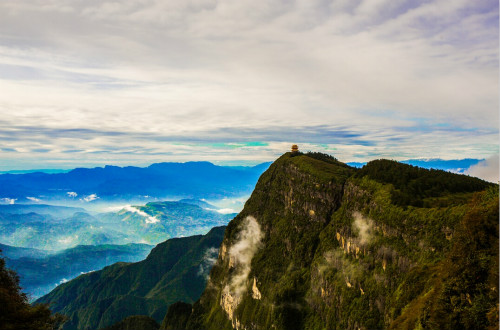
<point>319,245</point>
<point>174,270</point>
<point>111,183</point>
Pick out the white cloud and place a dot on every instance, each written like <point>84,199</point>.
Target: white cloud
<point>241,253</point>
<point>364,228</point>
<point>404,75</point>
<point>222,211</point>
<point>33,199</point>
<point>90,198</point>
<point>71,194</point>
<point>148,218</point>
<point>8,200</point>
<point>487,170</point>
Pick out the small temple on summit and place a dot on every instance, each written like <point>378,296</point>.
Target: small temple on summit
<point>295,148</point>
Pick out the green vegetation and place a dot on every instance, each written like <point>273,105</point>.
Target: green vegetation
<point>16,312</point>
<point>386,246</point>
<point>417,186</point>
<point>174,270</point>
<point>135,322</point>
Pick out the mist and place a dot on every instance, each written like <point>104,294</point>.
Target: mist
<point>241,254</point>
<point>364,227</point>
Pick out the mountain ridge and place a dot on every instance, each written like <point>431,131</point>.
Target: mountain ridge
<point>175,269</point>
<point>204,180</point>
<point>318,246</point>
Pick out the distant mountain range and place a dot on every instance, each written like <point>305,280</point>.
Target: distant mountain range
<point>113,183</point>
<point>174,270</point>
<point>57,228</point>
<point>41,271</point>
<point>56,245</point>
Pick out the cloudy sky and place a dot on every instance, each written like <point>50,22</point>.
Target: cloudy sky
<point>132,82</point>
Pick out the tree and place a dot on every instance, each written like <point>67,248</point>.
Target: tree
<point>16,313</point>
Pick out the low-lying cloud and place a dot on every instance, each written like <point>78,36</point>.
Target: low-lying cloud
<point>8,200</point>
<point>209,259</point>
<point>90,198</point>
<point>222,211</point>
<point>247,243</point>
<point>487,169</point>
<point>147,217</point>
<point>364,227</point>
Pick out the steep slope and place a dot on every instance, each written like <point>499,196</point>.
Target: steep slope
<point>135,322</point>
<point>320,245</point>
<point>174,270</point>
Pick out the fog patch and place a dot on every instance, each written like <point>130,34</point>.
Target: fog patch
<point>209,259</point>
<point>487,169</point>
<point>147,217</point>
<point>349,271</point>
<point>223,211</point>
<point>248,241</point>
<point>364,227</point>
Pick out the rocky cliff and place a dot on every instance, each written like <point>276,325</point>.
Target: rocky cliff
<point>320,245</point>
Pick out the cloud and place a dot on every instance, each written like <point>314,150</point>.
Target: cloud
<point>222,211</point>
<point>71,194</point>
<point>209,259</point>
<point>8,200</point>
<point>89,198</point>
<point>33,199</point>
<point>241,253</point>
<point>364,228</point>
<point>148,218</point>
<point>487,169</point>
<point>366,77</point>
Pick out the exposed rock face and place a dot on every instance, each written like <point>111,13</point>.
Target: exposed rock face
<point>229,303</point>
<point>255,290</point>
<point>335,253</point>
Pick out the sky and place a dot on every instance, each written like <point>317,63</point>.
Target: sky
<point>133,82</point>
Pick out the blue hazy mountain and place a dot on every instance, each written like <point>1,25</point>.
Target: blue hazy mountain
<point>14,252</point>
<point>54,211</point>
<point>188,180</point>
<point>43,231</point>
<point>151,223</point>
<point>157,221</point>
<point>40,273</point>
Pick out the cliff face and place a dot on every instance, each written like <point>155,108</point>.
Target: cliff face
<point>319,246</point>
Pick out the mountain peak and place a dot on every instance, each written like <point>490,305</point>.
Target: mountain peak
<point>322,245</point>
